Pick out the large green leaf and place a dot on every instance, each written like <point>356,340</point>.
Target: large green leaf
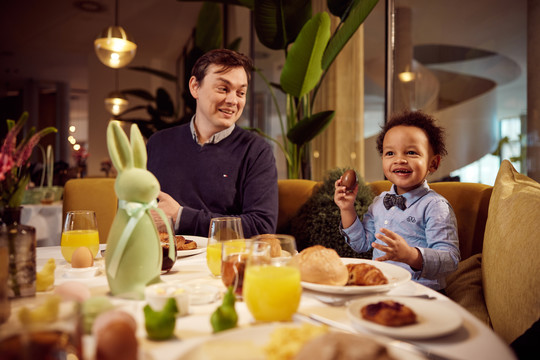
<point>159,73</point>
<point>356,17</point>
<point>235,44</point>
<point>164,102</point>
<point>245,3</point>
<point>302,70</point>
<point>339,7</point>
<point>309,127</point>
<point>208,33</point>
<point>140,93</point>
<point>278,22</point>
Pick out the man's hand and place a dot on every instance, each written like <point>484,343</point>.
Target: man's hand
<point>169,206</point>
<point>397,249</point>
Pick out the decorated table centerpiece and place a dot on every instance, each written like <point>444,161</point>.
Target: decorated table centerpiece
<point>134,256</point>
<point>17,242</point>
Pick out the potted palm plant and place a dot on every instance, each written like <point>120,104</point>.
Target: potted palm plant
<point>310,48</point>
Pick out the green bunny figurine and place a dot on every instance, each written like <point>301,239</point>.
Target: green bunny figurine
<point>133,256</point>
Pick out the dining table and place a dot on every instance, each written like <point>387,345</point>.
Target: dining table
<point>472,339</point>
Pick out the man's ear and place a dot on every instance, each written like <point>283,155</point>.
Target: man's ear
<point>434,163</point>
<point>194,87</point>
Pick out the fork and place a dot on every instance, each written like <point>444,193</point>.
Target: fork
<point>343,300</point>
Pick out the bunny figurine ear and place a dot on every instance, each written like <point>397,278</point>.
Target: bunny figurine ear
<point>118,145</point>
<point>139,148</point>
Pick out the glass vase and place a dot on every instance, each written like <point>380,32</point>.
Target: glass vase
<point>20,242</point>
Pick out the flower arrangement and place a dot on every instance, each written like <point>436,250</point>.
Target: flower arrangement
<point>80,155</point>
<point>14,164</point>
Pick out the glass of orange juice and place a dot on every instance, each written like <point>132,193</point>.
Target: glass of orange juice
<point>80,229</point>
<point>221,229</point>
<point>272,290</point>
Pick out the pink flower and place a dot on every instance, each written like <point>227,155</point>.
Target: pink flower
<point>6,164</point>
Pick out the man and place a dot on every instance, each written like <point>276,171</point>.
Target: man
<point>211,167</point>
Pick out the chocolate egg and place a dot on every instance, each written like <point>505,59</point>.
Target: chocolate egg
<point>349,180</point>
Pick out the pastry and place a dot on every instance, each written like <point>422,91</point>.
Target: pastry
<point>321,265</point>
<point>184,244</point>
<point>365,274</point>
<point>388,313</point>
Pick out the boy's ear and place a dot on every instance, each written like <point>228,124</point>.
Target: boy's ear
<point>434,163</point>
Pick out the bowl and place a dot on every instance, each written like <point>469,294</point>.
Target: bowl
<point>157,295</point>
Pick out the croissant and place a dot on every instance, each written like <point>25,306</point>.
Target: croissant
<point>365,274</point>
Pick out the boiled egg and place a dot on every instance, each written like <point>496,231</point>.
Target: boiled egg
<point>82,257</point>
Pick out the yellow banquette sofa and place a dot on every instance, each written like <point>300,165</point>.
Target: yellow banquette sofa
<point>498,278</point>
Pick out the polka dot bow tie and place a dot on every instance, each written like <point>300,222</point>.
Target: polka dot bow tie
<point>394,200</point>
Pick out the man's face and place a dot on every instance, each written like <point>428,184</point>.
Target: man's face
<point>221,98</point>
<point>407,157</point>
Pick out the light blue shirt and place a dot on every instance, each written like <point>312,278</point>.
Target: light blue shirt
<point>427,223</point>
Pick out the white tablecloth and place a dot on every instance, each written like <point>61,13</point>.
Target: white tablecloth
<point>47,219</point>
<point>473,340</point>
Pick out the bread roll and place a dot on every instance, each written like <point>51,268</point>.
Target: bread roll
<point>321,265</point>
<point>275,244</point>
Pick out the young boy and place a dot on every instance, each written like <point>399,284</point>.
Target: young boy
<point>411,225</point>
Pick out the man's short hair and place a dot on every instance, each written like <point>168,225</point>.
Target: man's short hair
<point>225,59</point>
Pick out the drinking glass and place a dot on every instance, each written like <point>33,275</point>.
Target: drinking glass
<point>80,229</point>
<point>161,228</point>
<point>221,229</point>
<point>60,338</point>
<point>272,290</point>
<point>234,255</point>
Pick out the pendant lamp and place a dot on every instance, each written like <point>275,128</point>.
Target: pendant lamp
<point>116,102</point>
<point>114,47</point>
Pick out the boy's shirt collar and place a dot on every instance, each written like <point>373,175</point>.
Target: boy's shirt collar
<point>412,196</point>
<point>214,139</point>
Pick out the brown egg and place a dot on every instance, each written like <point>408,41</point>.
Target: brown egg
<point>349,180</point>
<point>82,257</point>
<point>116,340</point>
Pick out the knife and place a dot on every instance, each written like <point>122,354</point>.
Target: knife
<point>427,353</point>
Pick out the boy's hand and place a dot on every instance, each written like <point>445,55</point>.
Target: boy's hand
<point>345,201</point>
<point>397,249</point>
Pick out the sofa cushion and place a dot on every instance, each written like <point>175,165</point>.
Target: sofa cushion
<point>510,260</point>
<point>464,286</point>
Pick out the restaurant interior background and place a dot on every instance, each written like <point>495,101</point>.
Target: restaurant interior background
<point>464,61</point>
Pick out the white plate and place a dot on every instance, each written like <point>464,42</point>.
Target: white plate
<point>434,319</point>
<point>247,343</point>
<point>396,276</point>
<point>201,246</point>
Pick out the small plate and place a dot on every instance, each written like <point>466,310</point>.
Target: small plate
<point>201,246</point>
<point>80,273</point>
<point>434,318</point>
<point>396,276</point>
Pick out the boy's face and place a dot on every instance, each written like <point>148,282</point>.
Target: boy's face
<point>221,97</point>
<point>407,157</point>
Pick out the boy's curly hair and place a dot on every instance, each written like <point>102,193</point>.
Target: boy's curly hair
<point>421,120</point>
<point>317,222</point>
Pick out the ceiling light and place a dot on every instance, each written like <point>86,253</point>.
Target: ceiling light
<point>114,47</point>
<point>116,103</point>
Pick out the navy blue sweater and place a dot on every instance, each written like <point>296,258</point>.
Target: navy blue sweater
<point>235,177</point>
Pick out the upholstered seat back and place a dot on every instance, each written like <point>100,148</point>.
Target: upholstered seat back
<point>293,193</point>
<point>95,194</point>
